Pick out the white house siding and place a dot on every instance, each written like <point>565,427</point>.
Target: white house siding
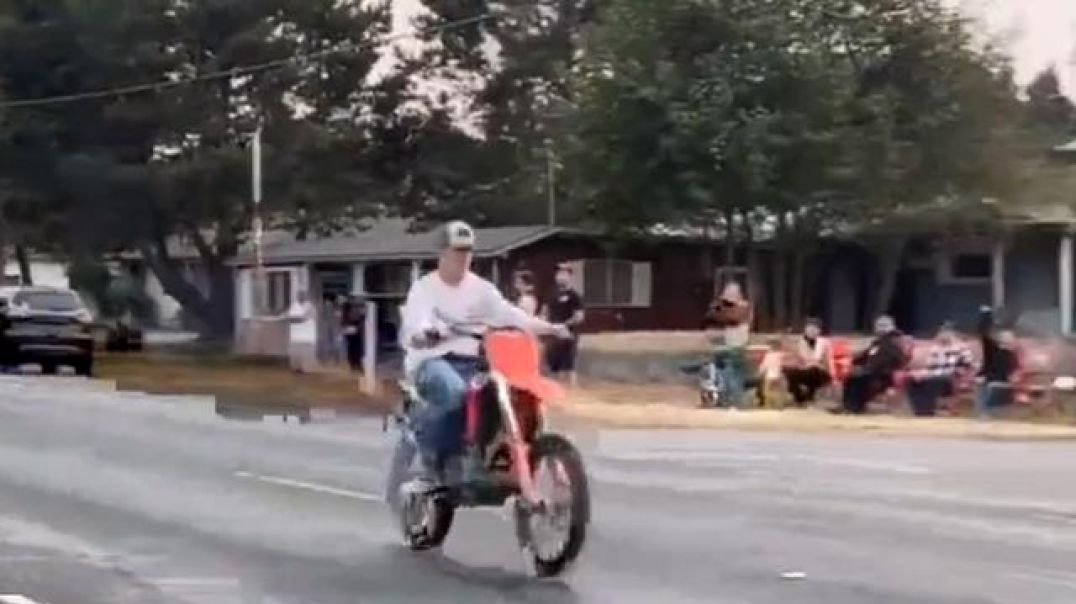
<point>44,272</point>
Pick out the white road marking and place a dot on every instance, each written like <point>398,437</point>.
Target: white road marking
<point>16,599</point>
<point>1047,579</point>
<point>311,486</point>
<point>503,512</point>
<point>862,464</point>
<point>181,582</point>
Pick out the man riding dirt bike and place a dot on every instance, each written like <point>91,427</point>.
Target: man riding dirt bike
<point>449,363</point>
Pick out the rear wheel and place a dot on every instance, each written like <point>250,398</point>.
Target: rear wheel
<point>425,517</point>
<point>553,535</point>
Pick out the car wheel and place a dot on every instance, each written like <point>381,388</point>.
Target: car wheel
<point>84,367</point>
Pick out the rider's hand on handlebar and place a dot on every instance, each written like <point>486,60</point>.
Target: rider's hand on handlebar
<point>562,332</point>
<point>428,338</point>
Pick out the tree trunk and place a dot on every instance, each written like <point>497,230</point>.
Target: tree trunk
<point>889,255</point>
<point>753,282</point>
<point>799,267</point>
<point>780,274</point>
<point>730,238</point>
<point>709,263</point>
<point>212,312</point>
<point>25,270</point>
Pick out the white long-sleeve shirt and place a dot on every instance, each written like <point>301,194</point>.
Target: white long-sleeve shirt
<point>432,304</point>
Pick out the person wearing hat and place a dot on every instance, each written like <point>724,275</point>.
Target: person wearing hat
<point>438,359</point>
<point>948,360</point>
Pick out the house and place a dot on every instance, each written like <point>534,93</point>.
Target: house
<point>627,284</point>
<point>1020,260</point>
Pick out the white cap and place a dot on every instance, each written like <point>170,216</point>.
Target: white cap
<point>457,235</point>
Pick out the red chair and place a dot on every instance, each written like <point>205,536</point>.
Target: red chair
<point>840,360</point>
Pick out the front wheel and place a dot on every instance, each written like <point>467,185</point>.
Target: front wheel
<point>554,533</point>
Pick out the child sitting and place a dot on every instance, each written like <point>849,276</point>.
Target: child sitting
<point>771,375</point>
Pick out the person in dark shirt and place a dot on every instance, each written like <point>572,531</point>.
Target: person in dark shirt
<point>353,323</point>
<point>873,367</point>
<point>994,387</point>
<point>564,307</point>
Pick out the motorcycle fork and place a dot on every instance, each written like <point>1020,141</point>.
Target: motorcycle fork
<point>519,448</point>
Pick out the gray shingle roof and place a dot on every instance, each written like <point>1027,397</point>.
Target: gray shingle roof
<point>390,240</point>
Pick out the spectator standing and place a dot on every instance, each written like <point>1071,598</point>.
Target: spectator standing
<point>948,360</point>
<point>873,367</point>
<point>564,307</point>
<point>328,342</point>
<point>994,385</point>
<point>353,318</point>
<point>525,298</point>
<point>303,334</point>
<point>810,372</point>
<point>731,314</point>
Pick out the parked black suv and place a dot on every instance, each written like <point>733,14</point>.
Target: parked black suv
<point>46,326</point>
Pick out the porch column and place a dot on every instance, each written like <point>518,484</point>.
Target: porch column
<point>495,272</point>
<point>416,270</point>
<point>358,279</point>
<point>1064,265</point>
<point>997,273</point>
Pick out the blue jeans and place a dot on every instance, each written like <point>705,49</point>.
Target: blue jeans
<point>442,383</point>
<point>732,366</point>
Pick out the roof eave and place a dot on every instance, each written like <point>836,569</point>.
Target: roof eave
<point>409,257</point>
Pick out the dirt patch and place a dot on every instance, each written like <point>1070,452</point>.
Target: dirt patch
<point>236,380</point>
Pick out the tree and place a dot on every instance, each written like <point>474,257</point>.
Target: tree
<point>518,66</point>
<point>145,171</point>
<point>1050,111</point>
<point>798,117</point>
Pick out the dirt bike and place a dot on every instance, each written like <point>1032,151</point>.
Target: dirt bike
<point>507,458</point>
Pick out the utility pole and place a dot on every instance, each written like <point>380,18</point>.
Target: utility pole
<point>260,286</point>
<point>551,182</point>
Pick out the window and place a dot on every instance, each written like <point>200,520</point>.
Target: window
<point>277,292</point>
<point>48,301</point>
<point>615,283</point>
<point>965,265</point>
<point>971,266</point>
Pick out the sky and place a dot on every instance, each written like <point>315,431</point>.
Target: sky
<point>1035,33</point>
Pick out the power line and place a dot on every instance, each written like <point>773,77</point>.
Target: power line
<point>241,70</point>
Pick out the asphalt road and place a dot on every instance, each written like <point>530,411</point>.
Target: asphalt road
<point>110,498</point>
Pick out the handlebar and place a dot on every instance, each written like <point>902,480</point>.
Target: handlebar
<point>463,329</point>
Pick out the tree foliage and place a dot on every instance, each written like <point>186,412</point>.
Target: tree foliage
<point>146,170</point>
<point>518,66</point>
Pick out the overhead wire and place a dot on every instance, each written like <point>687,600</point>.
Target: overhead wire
<point>249,69</point>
